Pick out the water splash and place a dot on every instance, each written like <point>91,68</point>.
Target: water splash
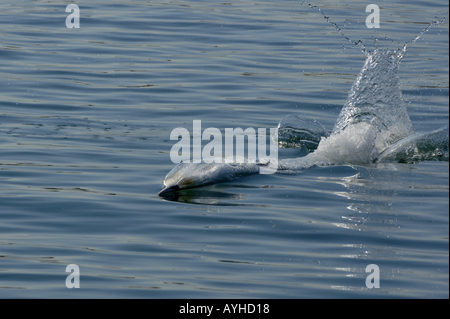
<point>372,127</point>
<point>294,132</point>
<point>417,37</point>
<point>376,98</point>
<point>419,147</point>
<point>358,43</point>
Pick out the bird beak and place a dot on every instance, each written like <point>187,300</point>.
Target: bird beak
<point>169,189</point>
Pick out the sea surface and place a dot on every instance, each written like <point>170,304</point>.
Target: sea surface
<point>85,121</point>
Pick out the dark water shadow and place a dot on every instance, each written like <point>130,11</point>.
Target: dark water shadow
<point>216,195</point>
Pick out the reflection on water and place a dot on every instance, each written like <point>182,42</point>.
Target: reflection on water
<point>215,195</point>
<point>376,205</point>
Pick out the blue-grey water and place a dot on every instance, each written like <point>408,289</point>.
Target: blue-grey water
<point>85,122</point>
